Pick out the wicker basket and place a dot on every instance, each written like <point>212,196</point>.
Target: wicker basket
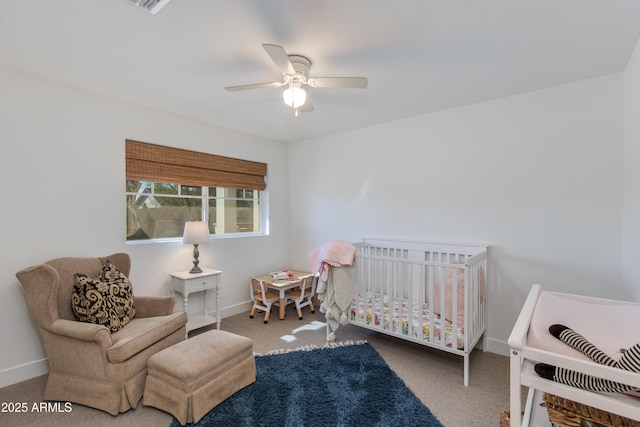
<point>567,413</point>
<point>504,419</point>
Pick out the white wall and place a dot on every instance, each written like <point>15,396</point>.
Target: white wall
<point>631,221</point>
<point>62,169</point>
<point>537,176</point>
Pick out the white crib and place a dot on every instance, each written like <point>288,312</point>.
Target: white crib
<point>526,349</point>
<point>429,293</point>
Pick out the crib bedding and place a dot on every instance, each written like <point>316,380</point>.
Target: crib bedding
<point>393,313</point>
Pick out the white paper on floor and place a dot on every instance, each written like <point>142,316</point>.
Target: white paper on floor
<point>313,326</point>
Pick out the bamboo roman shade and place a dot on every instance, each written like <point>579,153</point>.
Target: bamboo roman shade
<point>157,163</point>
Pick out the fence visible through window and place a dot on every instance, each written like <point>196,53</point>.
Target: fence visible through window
<point>159,210</point>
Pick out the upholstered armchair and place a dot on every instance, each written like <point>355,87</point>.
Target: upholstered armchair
<point>89,364</point>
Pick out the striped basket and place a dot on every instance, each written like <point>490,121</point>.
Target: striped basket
<point>567,413</point>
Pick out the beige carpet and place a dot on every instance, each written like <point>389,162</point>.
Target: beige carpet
<point>436,377</point>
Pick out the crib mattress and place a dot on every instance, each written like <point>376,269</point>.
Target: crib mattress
<point>392,313</point>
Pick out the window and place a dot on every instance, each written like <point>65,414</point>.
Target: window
<point>166,187</point>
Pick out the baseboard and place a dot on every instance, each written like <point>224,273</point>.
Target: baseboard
<point>235,309</point>
<point>24,372</point>
<point>498,347</point>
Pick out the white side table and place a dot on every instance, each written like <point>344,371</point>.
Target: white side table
<point>187,283</point>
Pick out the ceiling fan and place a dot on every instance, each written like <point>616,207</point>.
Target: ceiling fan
<point>295,72</point>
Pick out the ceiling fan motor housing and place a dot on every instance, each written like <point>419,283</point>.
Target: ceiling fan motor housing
<point>301,64</point>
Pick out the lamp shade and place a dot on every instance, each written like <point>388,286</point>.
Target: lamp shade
<point>294,96</point>
<point>196,232</point>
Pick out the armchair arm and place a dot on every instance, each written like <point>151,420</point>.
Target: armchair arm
<point>83,331</point>
<point>77,348</point>
<point>148,306</point>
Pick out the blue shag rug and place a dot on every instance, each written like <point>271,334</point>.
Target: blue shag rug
<point>349,385</point>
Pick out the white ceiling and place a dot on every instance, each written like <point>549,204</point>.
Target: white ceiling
<point>420,56</point>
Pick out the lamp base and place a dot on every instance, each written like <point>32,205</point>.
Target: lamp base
<point>196,254</point>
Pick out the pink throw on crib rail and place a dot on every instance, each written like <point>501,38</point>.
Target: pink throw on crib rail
<point>334,253</point>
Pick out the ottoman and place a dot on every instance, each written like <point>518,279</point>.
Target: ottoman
<point>190,378</point>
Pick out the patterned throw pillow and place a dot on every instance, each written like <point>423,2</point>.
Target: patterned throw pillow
<point>104,300</point>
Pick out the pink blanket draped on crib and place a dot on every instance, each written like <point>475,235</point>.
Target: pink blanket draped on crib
<point>334,253</point>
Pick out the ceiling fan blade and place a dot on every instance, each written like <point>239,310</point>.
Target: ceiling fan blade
<point>340,82</point>
<point>280,57</point>
<point>253,86</point>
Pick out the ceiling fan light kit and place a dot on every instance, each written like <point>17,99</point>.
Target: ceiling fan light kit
<point>294,96</point>
<point>295,73</point>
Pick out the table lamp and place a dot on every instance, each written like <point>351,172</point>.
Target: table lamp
<point>196,233</point>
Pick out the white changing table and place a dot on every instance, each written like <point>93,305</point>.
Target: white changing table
<point>534,414</point>
<point>523,374</point>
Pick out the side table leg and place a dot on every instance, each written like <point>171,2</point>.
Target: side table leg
<point>205,312</point>
<point>185,303</point>
<point>185,307</point>
<point>218,307</point>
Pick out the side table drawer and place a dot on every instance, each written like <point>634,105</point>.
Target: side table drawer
<point>201,283</point>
